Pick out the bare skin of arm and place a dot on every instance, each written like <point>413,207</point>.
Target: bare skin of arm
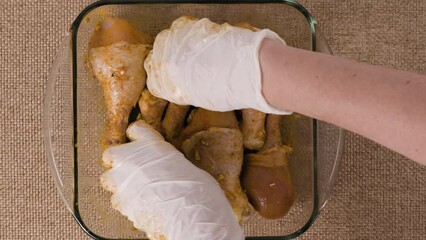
<point>385,105</point>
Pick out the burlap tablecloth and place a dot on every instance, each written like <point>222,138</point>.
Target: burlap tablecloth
<point>379,194</point>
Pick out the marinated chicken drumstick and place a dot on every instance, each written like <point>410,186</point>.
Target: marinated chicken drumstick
<point>113,30</point>
<point>152,109</point>
<point>213,142</point>
<point>253,128</point>
<point>174,119</point>
<point>266,178</point>
<point>116,55</point>
<point>219,151</point>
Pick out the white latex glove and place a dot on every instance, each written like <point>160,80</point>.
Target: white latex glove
<point>163,193</point>
<point>201,63</point>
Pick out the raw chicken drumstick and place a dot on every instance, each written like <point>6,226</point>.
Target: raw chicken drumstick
<point>116,55</point>
<point>213,142</point>
<point>152,109</point>
<point>174,119</point>
<point>266,178</point>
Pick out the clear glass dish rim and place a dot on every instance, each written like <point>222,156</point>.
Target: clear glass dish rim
<point>74,30</point>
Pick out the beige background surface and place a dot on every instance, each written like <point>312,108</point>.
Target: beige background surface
<point>379,194</point>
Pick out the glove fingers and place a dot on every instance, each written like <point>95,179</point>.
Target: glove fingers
<point>142,131</point>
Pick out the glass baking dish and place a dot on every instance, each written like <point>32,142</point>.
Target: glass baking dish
<point>74,115</point>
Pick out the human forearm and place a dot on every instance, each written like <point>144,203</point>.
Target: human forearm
<point>387,106</point>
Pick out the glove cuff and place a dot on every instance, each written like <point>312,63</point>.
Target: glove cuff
<point>260,102</point>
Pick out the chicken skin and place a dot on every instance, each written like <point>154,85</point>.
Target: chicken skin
<point>219,151</point>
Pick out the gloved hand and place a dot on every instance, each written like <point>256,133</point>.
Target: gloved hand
<point>201,63</point>
<point>163,193</point>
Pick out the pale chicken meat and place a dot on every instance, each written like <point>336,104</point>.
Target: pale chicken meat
<point>116,55</point>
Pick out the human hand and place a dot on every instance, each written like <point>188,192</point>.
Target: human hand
<point>163,193</point>
<point>201,63</point>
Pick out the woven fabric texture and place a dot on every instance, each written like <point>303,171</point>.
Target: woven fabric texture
<point>379,194</point>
